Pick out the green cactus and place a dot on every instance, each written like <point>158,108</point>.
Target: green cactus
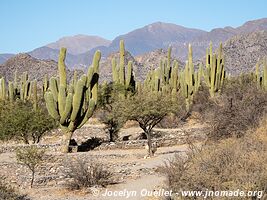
<point>264,77</point>
<point>215,73</point>
<point>45,84</point>
<point>11,91</point>
<point>120,78</point>
<point>72,104</point>
<point>122,67</point>
<point>34,96</point>
<point>2,89</point>
<point>26,91</point>
<point>261,78</point>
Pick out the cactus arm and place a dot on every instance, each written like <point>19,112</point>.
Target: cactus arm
<point>122,58</point>
<point>34,94</point>
<point>77,99</point>
<point>11,91</point>
<point>94,81</point>
<point>61,99</point>
<point>67,109</point>
<point>50,105</point>
<point>62,67</point>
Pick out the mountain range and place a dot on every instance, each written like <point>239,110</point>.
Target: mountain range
<point>243,45</point>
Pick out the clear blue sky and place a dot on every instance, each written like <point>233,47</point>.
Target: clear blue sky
<point>28,24</point>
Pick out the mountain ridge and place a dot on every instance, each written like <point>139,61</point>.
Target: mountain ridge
<point>158,35</point>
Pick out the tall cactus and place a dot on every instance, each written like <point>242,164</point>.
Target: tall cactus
<point>261,78</point>
<point>119,75</point>
<point>190,79</point>
<point>71,105</point>
<point>3,89</point>
<point>45,85</point>
<point>265,76</point>
<point>25,91</point>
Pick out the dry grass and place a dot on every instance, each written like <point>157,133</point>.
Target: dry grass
<point>231,164</point>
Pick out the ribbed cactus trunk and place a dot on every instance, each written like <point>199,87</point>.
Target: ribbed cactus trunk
<point>72,104</point>
<point>66,141</point>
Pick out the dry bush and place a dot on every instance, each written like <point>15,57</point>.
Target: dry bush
<point>9,193</point>
<point>31,157</point>
<point>171,121</point>
<point>88,174</point>
<point>231,164</point>
<point>239,107</point>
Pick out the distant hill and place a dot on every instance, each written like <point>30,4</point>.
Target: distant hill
<point>5,57</point>
<point>79,44</point>
<point>46,53</point>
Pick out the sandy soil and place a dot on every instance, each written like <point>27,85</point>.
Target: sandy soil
<point>147,180</point>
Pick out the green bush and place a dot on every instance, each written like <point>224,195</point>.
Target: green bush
<point>20,121</point>
<point>108,104</point>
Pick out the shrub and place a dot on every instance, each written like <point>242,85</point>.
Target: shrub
<point>231,164</point>
<point>148,109</point>
<point>9,193</point>
<point>88,174</point>
<point>31,157</point>
<point>108,103</point>
<point>19,121</point>
<point>239,107</point>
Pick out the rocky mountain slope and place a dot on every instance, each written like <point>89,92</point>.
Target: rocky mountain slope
<point>243,51</point>
<point>36,68</point>
<point>152,59</point>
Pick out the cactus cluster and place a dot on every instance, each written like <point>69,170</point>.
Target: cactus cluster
<point>214,73</point>
<point>119,75</point>
<point>190,79</point>
<point>74,103</point>
<point>261,78</point>
<point>163,79</point>
<point>26,90</point>
<point>167,78</point>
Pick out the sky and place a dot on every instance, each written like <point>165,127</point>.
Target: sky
<point>29,24</point>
